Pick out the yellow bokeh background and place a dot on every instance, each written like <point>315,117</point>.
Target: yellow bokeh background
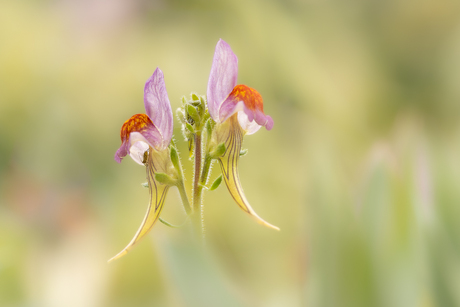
<point>361,171</point>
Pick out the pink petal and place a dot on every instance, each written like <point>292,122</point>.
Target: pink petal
<point>157,106</point>
<point>137,151</point>
<point>247,101</point>
<point>263,120</point>
<point>137,129</point>
<point>250,127</point>
<point>222,79</point>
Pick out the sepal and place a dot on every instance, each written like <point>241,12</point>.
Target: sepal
<point>165,179</point>
<point>218,151</point>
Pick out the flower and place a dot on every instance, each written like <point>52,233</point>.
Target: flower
<point>237,111</point>
<point>146,137</point>
<point>153,129</point>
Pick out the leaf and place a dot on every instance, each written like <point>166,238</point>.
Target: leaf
<point>216,183</point>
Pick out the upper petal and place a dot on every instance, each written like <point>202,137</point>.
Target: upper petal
<point>222,79</point>
<point>158,107</point>
<point>139,128</point>
<point>247,100</point>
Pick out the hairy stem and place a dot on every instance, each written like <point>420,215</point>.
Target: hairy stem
<point>197,212</point>
<point>183,196</point>
<point>206,169</point>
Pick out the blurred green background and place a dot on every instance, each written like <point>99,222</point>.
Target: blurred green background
<point>361,171</point>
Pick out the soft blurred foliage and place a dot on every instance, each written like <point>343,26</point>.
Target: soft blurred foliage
<point>361,171</point>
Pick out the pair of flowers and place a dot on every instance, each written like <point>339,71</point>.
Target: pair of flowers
<point>235,110</point>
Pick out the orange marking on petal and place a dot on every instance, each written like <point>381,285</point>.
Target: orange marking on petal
<point>251,98</point>
<point>137,123</point>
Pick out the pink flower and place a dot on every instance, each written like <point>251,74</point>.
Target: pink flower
<point>146,137</point>
<point>237,111</point>
<point>226,98</point>
<point>153,129</point>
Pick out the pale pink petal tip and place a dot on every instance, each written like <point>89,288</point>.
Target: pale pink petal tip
<point>223,77</point>
<point>158,107</point>
<point>121,152</point>
<point>269,124</point>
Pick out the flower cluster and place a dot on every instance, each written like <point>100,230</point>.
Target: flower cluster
<point>214,126</point>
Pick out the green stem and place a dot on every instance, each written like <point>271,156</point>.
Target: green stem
<point>199,188</point>
<point>205,172</point>
<point>183,195</point>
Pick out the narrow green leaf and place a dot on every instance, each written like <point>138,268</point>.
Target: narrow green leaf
<point>216,183</point>
<point>172,225</point>
<point>190,128</point>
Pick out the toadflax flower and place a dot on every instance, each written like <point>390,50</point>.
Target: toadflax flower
<point>237,111</point>
<point>146,137</point>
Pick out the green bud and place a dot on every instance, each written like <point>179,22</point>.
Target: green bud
<point>175,158</point>
<point>209,129</point>
<point>190,128</point>
<point>164,179</point>
<point>194,103</point>
<point>184,100</point>
<point>219,151</point>
<point>145,184</point>
<point>193,113</point>
<point>180,115</point>
<point>211,121</point>
<point>203,103</point>
<point>195,97</point>
<point>187,134</point>
<point>216,183</point>
<point>206,116</point>
<point>243,152</point>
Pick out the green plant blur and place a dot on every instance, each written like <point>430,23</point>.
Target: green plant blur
<point>361,171</point>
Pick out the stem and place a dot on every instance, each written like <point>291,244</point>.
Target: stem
<point>183,196</point>
<point>197,212</point>
<point>205,172</point>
